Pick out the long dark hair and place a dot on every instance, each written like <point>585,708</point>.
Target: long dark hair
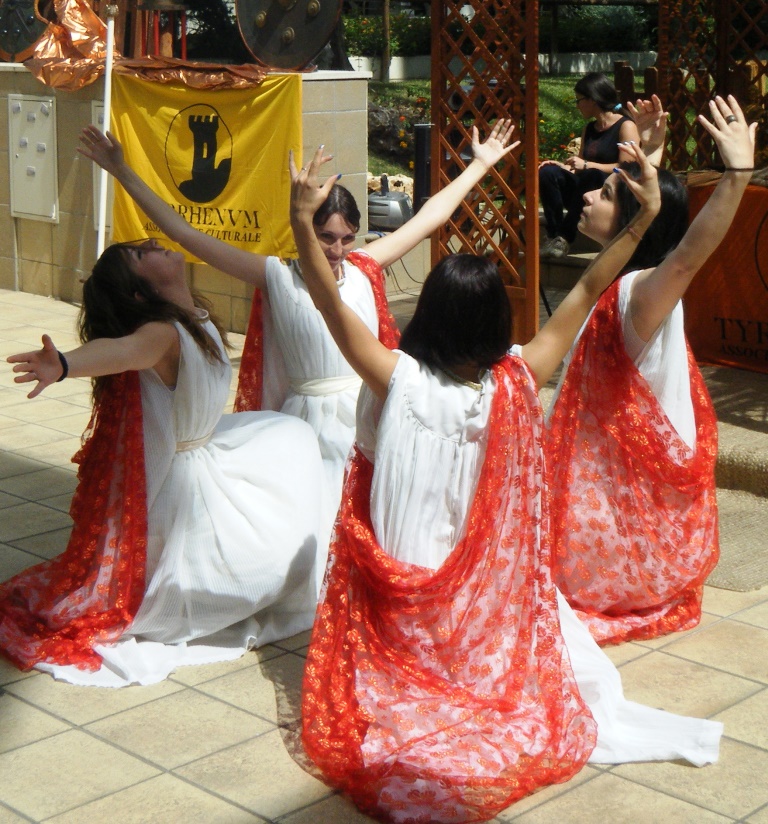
<point>598,87</point>
<point>339,201</point>
<point>462,315</point>
<point>668,227</point>
<point>116,302</point>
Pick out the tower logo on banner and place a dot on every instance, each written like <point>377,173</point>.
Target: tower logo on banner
<point>210,161</point>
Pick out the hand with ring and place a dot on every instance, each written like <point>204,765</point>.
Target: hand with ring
<point>735,138</point>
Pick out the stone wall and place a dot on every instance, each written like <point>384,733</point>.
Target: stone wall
<point>51,258</point>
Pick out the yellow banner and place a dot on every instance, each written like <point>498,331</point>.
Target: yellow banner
<point>218,157</point>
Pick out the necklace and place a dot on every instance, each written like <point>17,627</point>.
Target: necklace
<point>476,385</point>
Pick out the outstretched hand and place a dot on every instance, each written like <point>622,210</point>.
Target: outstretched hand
<point>307,196</point>
<point>496,145</point>
<point>104,149</point>
<point>645,188</point>
<point>734,137</point>
<point>42,366</point>
<point>651,121</point>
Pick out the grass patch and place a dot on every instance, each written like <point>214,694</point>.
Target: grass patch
<point>399,93</point>
<point>559,120</point>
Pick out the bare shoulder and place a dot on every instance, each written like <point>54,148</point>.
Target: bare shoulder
<point>628,130</point>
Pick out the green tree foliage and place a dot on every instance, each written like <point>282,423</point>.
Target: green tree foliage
<point>213,33</point>
<point>594,29</point>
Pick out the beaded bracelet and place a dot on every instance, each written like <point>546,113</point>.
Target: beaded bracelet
<point>64,366</point>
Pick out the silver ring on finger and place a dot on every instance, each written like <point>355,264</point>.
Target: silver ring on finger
<point>731,118</point>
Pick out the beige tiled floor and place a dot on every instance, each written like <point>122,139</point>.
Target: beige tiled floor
<point>209,744</point>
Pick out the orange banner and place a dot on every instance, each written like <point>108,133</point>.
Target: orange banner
<point>726,306</point>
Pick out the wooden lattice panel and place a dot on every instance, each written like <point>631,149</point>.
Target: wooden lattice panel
<point>480,73</point>
<point>745,32</point>
<point>687,62</point>
<point>710,47</point>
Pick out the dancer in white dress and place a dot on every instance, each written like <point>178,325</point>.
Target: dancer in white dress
<point>299,370</point>
<point>440,677</point>
<point>632,435</point>
<point>305,373</point>
<point>208,542</point>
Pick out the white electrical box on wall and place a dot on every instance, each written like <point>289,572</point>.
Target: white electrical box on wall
<point>97,119</point>
<point>32,155</point>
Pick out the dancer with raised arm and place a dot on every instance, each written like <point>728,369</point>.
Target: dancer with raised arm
<point>195,535</point>
<point>304,373</point>
<point>445,679</point>
<point>632,437</point>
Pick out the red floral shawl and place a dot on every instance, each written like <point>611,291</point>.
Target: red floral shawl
<point>56,611</point>
<point>445,695</point>
<point>634,514</point>
<point>251,376</point>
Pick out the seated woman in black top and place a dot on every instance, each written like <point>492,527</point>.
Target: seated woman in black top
<point>562,185</point>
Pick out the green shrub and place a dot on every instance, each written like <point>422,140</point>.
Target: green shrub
<point>555,133</point>
<point>364,36</point>
<point>409,35</point>
<point>414,34</point>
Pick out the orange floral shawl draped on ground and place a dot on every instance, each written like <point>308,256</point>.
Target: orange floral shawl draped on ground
<point>634,514</point>
<point>445,695</point>
<point>56,611</point>
<point>251,376</point>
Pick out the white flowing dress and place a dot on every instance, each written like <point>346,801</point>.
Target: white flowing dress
<point>427,444</point>
<point>306,375</point>
<point>233,518</point>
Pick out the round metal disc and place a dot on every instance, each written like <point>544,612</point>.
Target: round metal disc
<point>286,34</point>
<point>21,26</point>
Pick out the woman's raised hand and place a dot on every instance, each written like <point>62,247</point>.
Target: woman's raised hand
<point>651,121</point>
<point>43,366</point>
<point>103,149</point>
<point>306,194</point>
<point>646,188</point>
<point>735,138</point>
<point>496,145</point>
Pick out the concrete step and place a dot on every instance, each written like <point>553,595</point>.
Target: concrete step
<point>742,518</point>
<point>740,398</point>
<point>562,273</point>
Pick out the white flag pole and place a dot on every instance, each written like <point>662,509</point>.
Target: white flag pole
<point>111,12</point>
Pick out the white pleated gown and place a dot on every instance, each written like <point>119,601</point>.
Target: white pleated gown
<point>233,508</point>
<point>427,443</point>
<point>306,375</point>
